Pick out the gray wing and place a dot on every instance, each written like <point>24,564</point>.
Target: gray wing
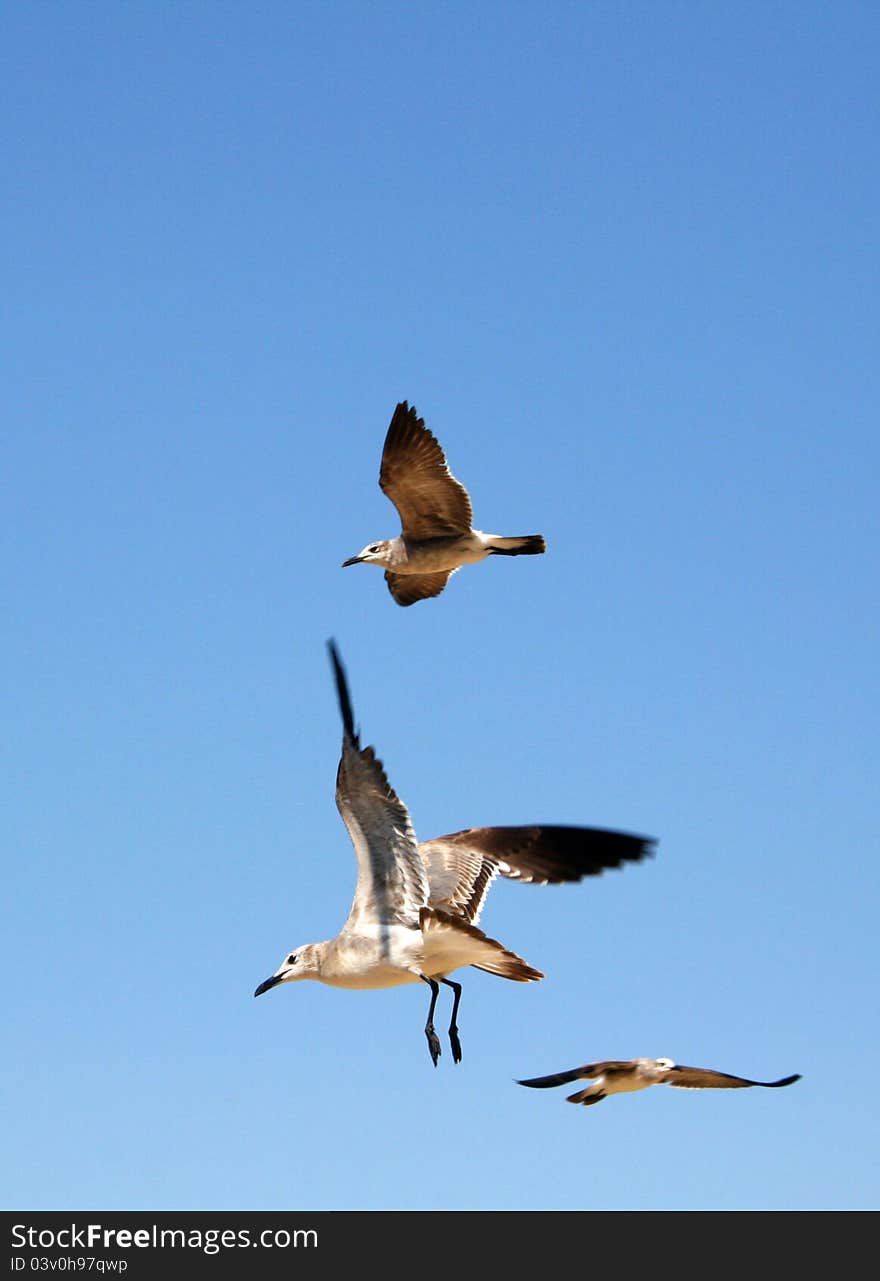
<point>584,1073</point>
<point>391,881</point>
<point>691,1078</point>
<point>415,476</point>
<point>408,588</point>
<point>462,866</point>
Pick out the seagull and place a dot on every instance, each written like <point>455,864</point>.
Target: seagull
<point>416,906</point>
<point>436,536</point>
<point>621,1076</point>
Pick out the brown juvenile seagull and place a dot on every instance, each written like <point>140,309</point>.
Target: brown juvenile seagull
<point>621,1076</point>
<point>416,906</point>
<point>436,537</point>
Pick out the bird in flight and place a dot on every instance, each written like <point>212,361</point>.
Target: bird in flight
<point>416,906</point>
<point>621,1076</point>
<point>436,535</point>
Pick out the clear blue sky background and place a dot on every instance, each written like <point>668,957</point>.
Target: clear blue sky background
<point>623,259</point>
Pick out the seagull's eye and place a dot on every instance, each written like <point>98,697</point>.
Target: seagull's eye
<point>373,549</point>
<point>291,960</point>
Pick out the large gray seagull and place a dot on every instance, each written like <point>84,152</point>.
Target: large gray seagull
<point>416,906</point>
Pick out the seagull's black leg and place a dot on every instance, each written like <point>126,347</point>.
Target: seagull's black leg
<point>453,1026</point>
<point>433,1039</point>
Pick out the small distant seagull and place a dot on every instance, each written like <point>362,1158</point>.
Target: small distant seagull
<point>616,1076</point>
<point>416,906</point>
<point>435,515</point>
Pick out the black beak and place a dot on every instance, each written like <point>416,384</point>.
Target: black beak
<point>352,560</point>
<point>266,984</point>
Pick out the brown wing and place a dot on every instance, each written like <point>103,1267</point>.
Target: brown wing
<point>461,867</point>
<point>691,1078</point>
<point>408,588</point>
<point>414,475</point>
<point>584,1073</point>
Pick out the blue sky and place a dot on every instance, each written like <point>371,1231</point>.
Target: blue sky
<point>622,257</point>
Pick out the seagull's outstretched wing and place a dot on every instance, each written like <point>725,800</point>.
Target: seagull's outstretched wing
<point>691,1078</point>
<point>462,866</point>
<point>414,475</point>
<point>587,1072</point>
<point>392,886</point>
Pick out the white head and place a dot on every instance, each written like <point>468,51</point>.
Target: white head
<point>664,1064</point>
<point>303,963</point>
<point>373,554</point>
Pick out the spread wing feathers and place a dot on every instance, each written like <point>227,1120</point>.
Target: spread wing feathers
<point>586,1072</point>
<point>690,1078</point>
<point>414,475</point>
<point>462,866</point>
<point>408,588</point>
<point>451,942</point>
<point>459,877</point>
<point>391,883</point>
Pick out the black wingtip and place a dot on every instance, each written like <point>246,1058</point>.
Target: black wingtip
<point>405,415</point>
<point>589,851</point>
<point>342,691</point>
<point>786,1080</point>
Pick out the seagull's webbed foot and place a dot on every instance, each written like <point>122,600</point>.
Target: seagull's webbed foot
<point>453,1026</point>
<point>433,1043</point>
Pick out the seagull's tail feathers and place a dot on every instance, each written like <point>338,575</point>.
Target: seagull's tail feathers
<point>587,1097</point>
<point>451,942</point>
<point>526,545</point>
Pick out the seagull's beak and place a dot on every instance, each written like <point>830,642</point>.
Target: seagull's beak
<point>352,560</point>
<point>264,986</point>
